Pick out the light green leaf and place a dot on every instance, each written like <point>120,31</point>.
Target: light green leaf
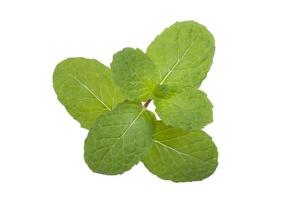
<point>134,73</point>
<point>119,139</point>
<point>181,156</point>
<point>188,110</point>
<point>85,88</point>
<point>183,54</point>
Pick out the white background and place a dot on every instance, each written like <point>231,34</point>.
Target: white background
<point>253,83</point>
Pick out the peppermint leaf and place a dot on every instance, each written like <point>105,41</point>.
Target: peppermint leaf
<point>119,139</point>
<point>181,156</point>
<point>188,110</point>
<point>183,54</point>
<point>85,88</point>
<point>121,132</point>
<point>134,73</point>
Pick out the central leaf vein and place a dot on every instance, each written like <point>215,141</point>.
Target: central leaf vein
<point>91,92</point>
<point>168,147</point>
<point>176,64</point>
<point>126,130</point>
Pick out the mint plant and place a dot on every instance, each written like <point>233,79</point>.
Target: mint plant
<point>112,104</point>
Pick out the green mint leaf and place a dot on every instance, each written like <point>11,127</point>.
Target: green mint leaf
<point>180,155</point>
<point>162,91</point>
<point>189,110</point>
<point>119,139</point>
<point>183,54</point>
<point>122,133</point>
<point>134,73</point>
<point>84,87</point>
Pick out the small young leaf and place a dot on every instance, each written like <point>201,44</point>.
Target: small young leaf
<point>188,110</point>
<point>85,88</point>
<point>183,54</point>
<point>134,73</point>
<point>181,156</point>
<point>119,139</point>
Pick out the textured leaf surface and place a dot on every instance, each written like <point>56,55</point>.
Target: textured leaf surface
<point>135,74</point>
<point>189,110</point>
<point>181,156</point>
<point>119,139</point>
<point>183,54</point>
<point>85,88</point>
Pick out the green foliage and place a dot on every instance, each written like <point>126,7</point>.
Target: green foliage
<point>85,88</point>
<point>119,139</point>
<point>122,132</point>
<point>162,91</point>
<point>188,110</point>
<point>134,73</point>
<point>183,54</point>
<point>180,155</point>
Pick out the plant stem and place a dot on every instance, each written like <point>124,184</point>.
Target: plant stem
<point>147,103</point>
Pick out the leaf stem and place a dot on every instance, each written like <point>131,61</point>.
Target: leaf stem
<point>147,103</point>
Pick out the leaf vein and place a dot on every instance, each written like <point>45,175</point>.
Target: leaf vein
<point>130,125</point>
<point>90,91</point>
<point>177,62</point>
